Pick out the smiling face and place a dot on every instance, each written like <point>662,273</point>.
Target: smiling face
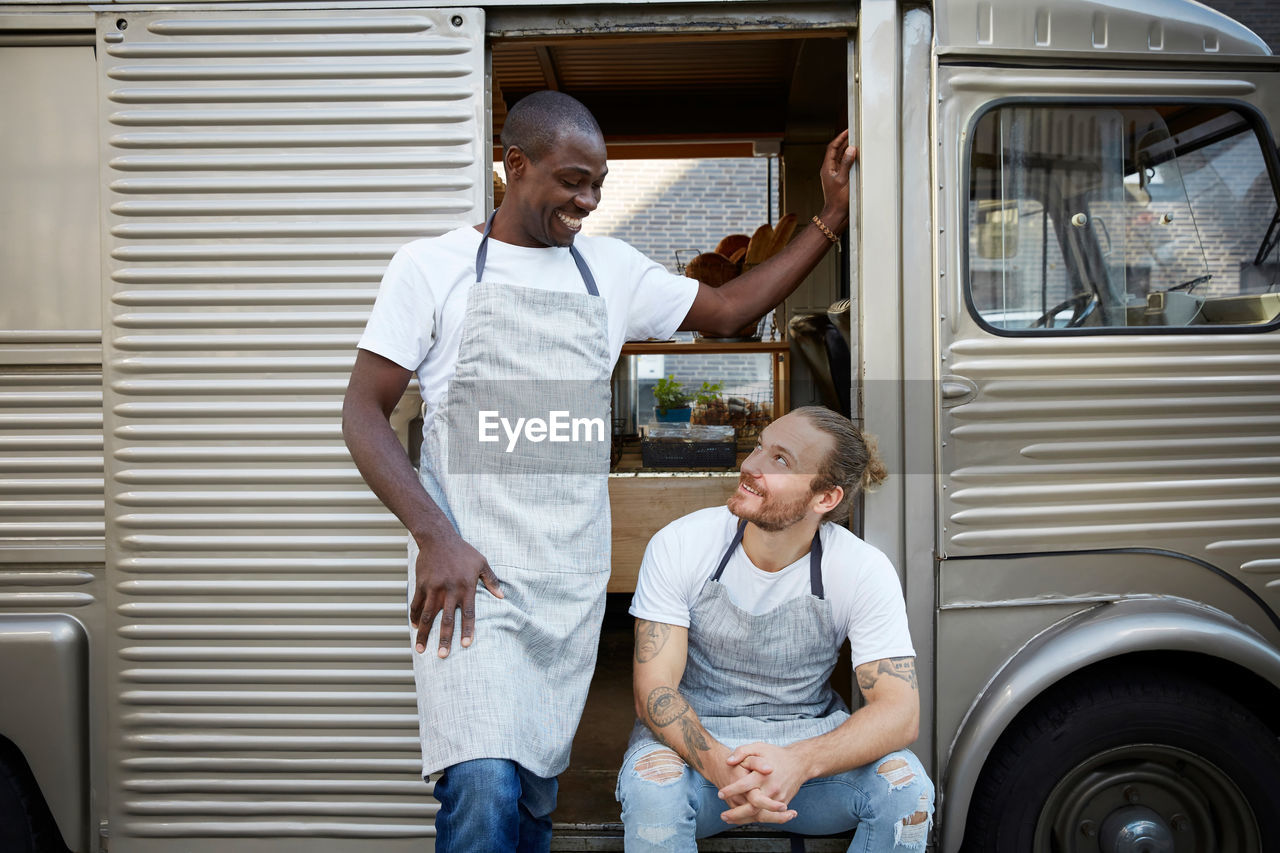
<point>775,487</point>
<point>550,196</point>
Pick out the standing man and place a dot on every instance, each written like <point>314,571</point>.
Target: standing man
<point>740,614</point>
<point>512,312</point>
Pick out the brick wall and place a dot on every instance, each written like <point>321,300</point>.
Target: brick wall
<point>661,206</point>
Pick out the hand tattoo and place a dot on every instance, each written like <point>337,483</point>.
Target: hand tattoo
<point>650,639</point>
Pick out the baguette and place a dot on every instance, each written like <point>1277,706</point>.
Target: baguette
<point>782,233</point>
<point>758,248</point>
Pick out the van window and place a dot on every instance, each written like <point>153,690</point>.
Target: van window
<point>1121,217</point>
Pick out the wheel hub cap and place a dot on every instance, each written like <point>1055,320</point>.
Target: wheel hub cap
<point>1135,829</point>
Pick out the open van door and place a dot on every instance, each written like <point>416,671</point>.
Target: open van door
<point>260,168</point>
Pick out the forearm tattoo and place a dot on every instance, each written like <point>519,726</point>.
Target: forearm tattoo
<point>651,637</point>
<point>666,706</point>
<point>904,668</point>
<point>694,741</point>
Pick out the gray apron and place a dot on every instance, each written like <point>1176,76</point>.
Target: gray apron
<point>518,691</point>
<point>761,676</point>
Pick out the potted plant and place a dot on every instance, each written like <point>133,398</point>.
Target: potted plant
<point>708,403</point>
<point>671,401</point>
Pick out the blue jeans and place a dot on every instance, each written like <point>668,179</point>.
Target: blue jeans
<point>493,804</point>
<point>877,798</point>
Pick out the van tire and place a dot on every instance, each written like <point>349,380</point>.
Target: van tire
<point>26,826</point>
<point>1151,749</point>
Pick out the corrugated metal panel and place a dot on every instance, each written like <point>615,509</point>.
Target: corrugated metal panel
<point>1112,442</point>
<point>261,168</point>
<point>50,466</point>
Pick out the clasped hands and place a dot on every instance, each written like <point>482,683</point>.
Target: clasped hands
<point>758,782</point>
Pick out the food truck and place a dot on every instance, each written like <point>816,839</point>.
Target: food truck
<point>1062,323</point>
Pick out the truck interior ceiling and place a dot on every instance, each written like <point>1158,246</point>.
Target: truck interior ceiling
<point>662,97</point>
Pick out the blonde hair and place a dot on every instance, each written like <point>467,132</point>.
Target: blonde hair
<point>853,463</point>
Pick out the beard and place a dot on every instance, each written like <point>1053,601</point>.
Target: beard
<point>771,515</point>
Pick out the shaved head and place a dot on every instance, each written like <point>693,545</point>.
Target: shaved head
<point>538,121</point>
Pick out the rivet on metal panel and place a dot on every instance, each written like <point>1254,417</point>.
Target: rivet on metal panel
<point>456,20</point>
<point>122,24</point>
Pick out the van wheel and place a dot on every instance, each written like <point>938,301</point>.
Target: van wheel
<point>26,826</point>
<point>1129,761</point>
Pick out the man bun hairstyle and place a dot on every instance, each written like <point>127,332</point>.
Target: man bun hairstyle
<point>538,120</point>
<point>852,463</point>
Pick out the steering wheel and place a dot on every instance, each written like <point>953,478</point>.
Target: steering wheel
<point>1083,305</point>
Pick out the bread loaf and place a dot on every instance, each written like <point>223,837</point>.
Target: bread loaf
<point>731,244</point>
<point>711,268</point>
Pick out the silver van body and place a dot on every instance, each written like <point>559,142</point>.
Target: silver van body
<point>201,605</point>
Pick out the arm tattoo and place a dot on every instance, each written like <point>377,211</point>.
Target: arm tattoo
<point>904,668</point>
<point>651,637</point>
<point>666,706</point>
<point>693,741</point>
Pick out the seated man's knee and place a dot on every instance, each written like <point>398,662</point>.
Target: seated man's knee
<point>912,792</point>
<point>661,767</point>
<point>651,777</point>
<point>652,794</point>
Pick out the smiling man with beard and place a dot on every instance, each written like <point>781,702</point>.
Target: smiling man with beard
<point>740,614</point>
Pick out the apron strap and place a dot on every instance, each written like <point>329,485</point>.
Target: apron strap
<point>815,564</point>
<point>724,561</point>
<point>482,255</point>
<point>815,559</point>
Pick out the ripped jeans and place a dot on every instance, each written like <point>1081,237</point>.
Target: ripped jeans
<point>883,799</point>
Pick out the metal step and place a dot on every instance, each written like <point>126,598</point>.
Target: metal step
<point>578,838</point>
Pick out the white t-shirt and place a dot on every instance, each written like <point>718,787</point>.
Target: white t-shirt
<point>417,318</point>
<point>857,578</point>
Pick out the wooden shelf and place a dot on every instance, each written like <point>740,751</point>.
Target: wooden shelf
<point>695,347</point>
<point>776,350</point>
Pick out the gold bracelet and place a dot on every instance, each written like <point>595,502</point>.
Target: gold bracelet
<point>822,226</point>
